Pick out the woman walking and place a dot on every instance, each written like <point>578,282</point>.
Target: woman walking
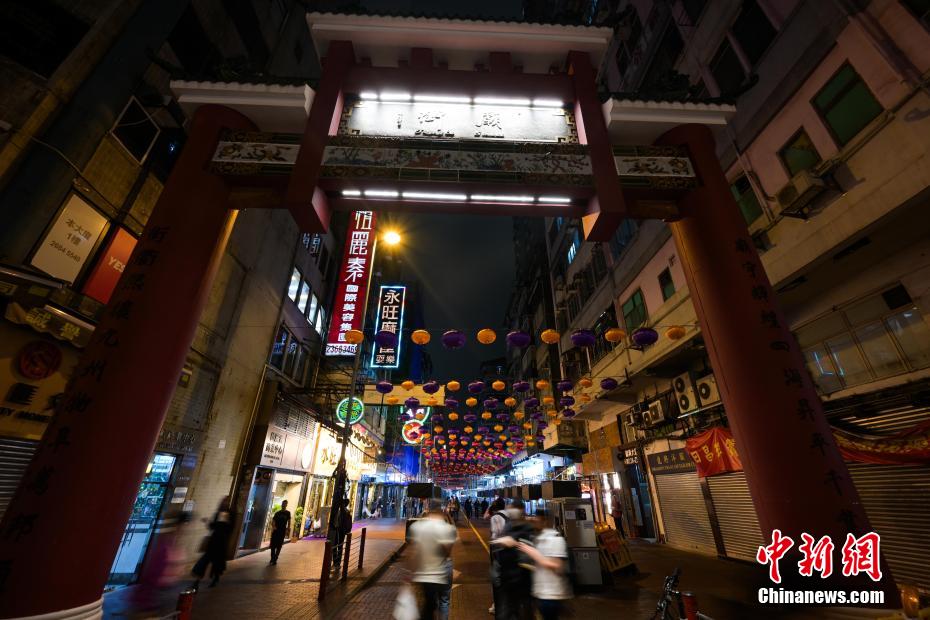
<point>216,544</point>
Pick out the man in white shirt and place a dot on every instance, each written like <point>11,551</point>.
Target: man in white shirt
<point>550,581</point>
<point>432,539</point>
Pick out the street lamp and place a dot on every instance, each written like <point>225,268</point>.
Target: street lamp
<point>390,238</point>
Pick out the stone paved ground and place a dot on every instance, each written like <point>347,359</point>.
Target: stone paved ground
<point>252,588</point>
<point>726,589</point>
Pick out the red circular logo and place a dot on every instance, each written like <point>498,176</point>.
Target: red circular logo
<point>38,360</point>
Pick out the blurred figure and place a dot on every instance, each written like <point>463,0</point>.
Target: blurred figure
<point>550,556</point>
<point>432,538</point>
<point>156,590</point>
<point>495,512</point>
<point>514,567</point>
<point>483,509</point>
<point>339,531</point>
<point>281,525</point>
<point>214,554</point>
<point>468,507</point>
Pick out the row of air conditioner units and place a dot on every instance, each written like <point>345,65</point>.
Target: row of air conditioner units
<point>690,394</point>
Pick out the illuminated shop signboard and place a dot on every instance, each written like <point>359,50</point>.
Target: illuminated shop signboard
<point>390,318</point>
<point>342,410</point>
<point>353,283</point>
<point>413,427</point>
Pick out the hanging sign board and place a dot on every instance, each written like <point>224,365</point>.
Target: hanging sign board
<point>71,239</point>
<point>349,304</point>
<point>390,318</point>
<point>106,274</point>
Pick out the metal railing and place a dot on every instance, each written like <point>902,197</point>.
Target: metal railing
<point>339,558</point>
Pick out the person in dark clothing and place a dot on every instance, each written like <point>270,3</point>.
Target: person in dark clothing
<point>484,508</point>
<point>468,507</point>
<point>217,542</point>
<point>514,574</point>
<point>339,531</point>
<point>280,526</point>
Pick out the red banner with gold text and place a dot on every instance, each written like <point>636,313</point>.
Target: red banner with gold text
<point>714,452</point>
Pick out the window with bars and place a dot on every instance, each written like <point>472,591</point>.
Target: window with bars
<point>877,337</point>
<point>605,321</point>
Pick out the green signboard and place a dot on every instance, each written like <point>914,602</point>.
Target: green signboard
<point>358,410</point>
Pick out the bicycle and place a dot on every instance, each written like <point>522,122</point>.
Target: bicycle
<point>672,598</point>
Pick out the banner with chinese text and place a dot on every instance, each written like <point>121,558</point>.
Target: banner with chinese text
<point>349,303</point>
<point>714,452</point>
<point>390,318</point>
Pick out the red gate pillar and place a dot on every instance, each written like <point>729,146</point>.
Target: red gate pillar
<point>796,475</point>
<point>61,532</point>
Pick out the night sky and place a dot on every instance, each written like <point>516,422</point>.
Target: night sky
<point>465,267</point>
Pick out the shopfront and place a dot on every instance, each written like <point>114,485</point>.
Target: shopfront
<point>287,457</point>
<point>318,500</point>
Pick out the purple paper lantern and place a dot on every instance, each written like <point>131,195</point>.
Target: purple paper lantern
<point>537,415</point>
<point>568,413</point>
<point>518,339</point>
<point>451,403</point>
<point>385,338</point>
<point>513,429</point>
<point>483,430</point>
<point>431,387</point>
<point>521,386</point>
<point>531,402</point>
<point>645,336</point>
<point>476,387</point>
<point>503,416</point>
<point>564,385</point>
<point>453,339</point>
<point>412,402</point>
<point>470,417</point>
<point>491,403</point>
<point>609,384</point>
<point>567,401</point>
<point>542,424</point>
<point>583,338</point>
<point>438,417</point>
<point>384,387</point>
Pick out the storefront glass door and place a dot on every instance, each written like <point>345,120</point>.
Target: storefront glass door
<point>142,522</point>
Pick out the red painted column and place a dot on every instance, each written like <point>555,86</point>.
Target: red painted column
<point>308,206</point>
<point>61,532</point>
<point>796,475</point>
<point>607,208</point>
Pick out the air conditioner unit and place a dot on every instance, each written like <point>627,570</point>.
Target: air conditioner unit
<point>707,390</point>
<point>683,385</point>
<point>799,192</point>
<point>655,414</point>
<point>633,418</point>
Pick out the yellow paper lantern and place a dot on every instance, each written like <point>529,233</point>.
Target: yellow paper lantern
<point>486,336</point>
<point>432,401</point>
<point>437,429</point>
<point>549,336</point>
<point>453,416</point>
<point>502,437</point>
<point>469,429</point>
<point>542,384</point>
<point>464,442</point>
<point>499,385</point>
<point>519,415</point>
<point>440,441</point>
<point>548,400</point>
<point>557,422</point>
<point>498,428</point>
<point>392,400</point>
<point>508,443</point>
<point>510,401</point>
<point>471,401</point>
<point>486,442</point>
<point>408,385</point>
<point>614,334</point>
<point>585,382</point>
<point>527,425</point>
<point>453,386</point>
<point>584,398</point>
<point>486,415</point>
<point>425,435</point>
<point>420,336</point>
<point>528,438</point>
<point>354,336</point>
<point>676,332</point>
<point>552,413</point>
<point>531,443</point>
<point>478,437</point>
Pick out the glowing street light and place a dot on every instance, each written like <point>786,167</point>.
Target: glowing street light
<point>391,237</point>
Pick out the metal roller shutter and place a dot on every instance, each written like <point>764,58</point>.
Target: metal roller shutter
<point>736,515</point>
<point>895,499</point>
<point>15,456</point>
<point>684,513</point>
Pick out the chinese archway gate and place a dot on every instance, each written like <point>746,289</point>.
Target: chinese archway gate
<point>601,162</point>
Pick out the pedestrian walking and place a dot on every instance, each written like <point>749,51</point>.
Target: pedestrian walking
<point>339,530</point>
<point>549,554</point>
<point>280,526</point>
<point>514,567</point>
<point>495,512</point>
<point>431,561</point>
<point>215,545</point>
<point>165,567</point>
<point>468,508</point>
<point>484,509</point>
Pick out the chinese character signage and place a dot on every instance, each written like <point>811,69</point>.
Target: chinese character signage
<point>671,462</point>
<point>390,319</point>
<point>342,410</point>
<point>110,267</point>
<point>68,243</point>
<point>349,304</point>
<point>714,452</point>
